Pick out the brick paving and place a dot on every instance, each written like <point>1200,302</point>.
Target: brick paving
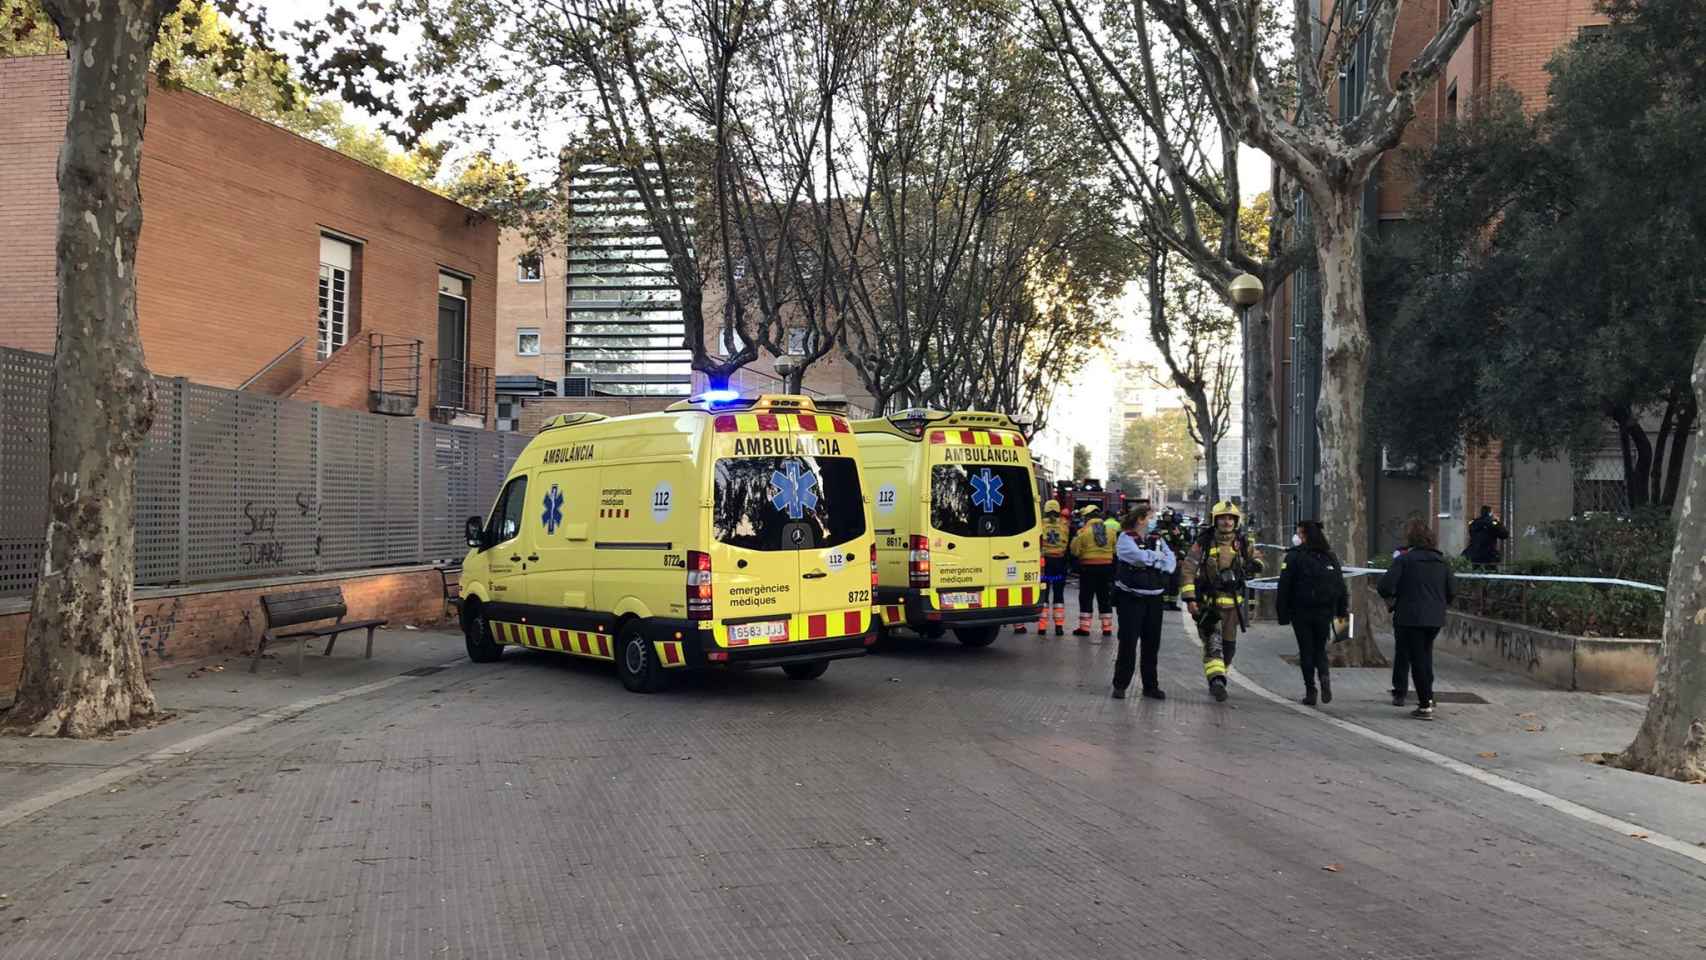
<point>933,802</point>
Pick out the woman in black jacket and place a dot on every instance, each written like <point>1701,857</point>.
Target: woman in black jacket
<point>1311,595</point>
<point>1420,585</point>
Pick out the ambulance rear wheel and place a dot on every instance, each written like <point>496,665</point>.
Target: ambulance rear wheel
<point>636,662</point>
<point>805,671</point>
<point>977,636</point>
<point>478,634</point>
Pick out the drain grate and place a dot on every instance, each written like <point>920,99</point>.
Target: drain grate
<point>429,671</point>
<point>1457,696</point>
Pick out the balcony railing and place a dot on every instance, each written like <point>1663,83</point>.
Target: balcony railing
<point>460,387</point>
<point>393,374</point>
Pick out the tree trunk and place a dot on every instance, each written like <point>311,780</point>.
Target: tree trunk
<point>1210,447</point>
<point>1264,425</point>
<point>83,673</point>
<point>1679,450</point>
<point>1672,740</point>
<point>1339,415</point>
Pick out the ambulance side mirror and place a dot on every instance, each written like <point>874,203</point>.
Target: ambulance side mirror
<point>474,530</point>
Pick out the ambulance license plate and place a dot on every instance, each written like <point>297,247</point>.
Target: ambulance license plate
<point>962,599</point>
<point>769,630</point>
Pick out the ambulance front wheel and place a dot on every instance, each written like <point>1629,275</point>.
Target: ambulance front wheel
<point>977,636</point>
<point>478,634</point>
<point>805,671</point>
<point>636,662</point>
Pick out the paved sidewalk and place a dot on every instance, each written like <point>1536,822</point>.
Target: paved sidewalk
<point>1536,735</point>
<point>213,693</point>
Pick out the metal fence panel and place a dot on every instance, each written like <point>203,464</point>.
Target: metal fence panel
<point>161,490</point>
<point>250,465</point>
<point>352,489</point>
<point>24,384</point>
<point>236,485</point>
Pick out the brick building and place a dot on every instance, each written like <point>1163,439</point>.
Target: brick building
<point>267,262</point>
<point>1509,47</point>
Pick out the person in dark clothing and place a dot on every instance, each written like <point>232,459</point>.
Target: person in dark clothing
<point>1144,566</point>
<point>1484,550</point>
<point>1400,660</point>
<point>1311,596</point>
<point>1421,585</point>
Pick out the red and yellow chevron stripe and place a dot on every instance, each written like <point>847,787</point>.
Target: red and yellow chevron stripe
<point>577,642</point>
<point>781,423</point>
<point>978,438</point>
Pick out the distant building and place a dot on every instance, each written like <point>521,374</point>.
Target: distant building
<point>267,262</point>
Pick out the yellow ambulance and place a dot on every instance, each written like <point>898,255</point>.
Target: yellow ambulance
<point>955,512</point>
<point>720,533</point>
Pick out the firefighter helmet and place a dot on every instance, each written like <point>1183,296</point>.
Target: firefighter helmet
<point>1227,508</point>
<point>1087,510</point>
<point>1053,506</point>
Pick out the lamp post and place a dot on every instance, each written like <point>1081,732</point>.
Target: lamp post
<point>785,368</point>
<point>1246,291</point>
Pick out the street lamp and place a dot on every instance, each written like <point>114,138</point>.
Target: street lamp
<point>785,367</point>
<point>1246,291</point>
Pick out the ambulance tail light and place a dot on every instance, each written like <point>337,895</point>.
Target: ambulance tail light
<point>698,585</point>
<point>918,561</point>
<point>873,570</point>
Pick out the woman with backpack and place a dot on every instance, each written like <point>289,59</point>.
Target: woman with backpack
<point>1421,586</point>
<point>1311,596</point>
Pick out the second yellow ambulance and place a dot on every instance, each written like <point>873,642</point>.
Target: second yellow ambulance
<point>955,512</point>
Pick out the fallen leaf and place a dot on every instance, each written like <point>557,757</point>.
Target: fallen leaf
<point>1639,836</point>
<point>1487,755</point>
<point>1333,867</point>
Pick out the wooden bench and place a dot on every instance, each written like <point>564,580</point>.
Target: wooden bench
<point>452,591</point>
<point>309,606</point>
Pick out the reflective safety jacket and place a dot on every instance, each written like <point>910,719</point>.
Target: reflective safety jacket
<point>1217,568</point>
<point>1055,537</point>
<point>1094,545</point>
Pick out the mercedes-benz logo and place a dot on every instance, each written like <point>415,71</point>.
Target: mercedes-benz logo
<point>798,535</point>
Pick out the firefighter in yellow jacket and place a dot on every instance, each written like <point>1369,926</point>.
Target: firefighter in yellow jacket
<point>1056,538</point>
<point>1220,562</point>
<point>1093,551</point>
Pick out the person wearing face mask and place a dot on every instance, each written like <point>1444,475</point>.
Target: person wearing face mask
<point>1144,565</point>
<point>1311,596</point>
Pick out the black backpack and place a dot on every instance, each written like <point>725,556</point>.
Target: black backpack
<point>1318,582</point>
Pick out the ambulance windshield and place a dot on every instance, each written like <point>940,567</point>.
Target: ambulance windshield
<point>978,501</point>
<point>787,503</point>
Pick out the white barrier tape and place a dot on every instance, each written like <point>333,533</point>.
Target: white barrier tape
<point>1527,578</point>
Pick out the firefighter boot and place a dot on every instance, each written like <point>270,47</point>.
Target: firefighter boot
<point>1060,620</point>
<point>1021,628</point>
<point>1107,625</point>
<point>1083,626</point>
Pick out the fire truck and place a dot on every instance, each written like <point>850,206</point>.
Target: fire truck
<point>1074,495</point>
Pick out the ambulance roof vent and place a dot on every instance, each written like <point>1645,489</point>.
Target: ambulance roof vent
<point>571,420</point>
<point>982,418</point>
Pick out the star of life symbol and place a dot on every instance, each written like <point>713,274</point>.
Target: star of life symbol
<point>553,515</point>
<point>986,491</point>
<point>795,491</point>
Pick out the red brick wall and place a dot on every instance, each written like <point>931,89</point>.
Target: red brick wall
<point>33,104</point>
<point>196,624</point>
<point>227,266</point>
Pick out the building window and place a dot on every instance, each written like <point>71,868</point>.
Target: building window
<point>1593,31</point>
<point>530,268</point>
<point>796,342</point>
<point>740,268</point>
<point>337,260</point>
<point>527,342</point>
<point>1451,104</point>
